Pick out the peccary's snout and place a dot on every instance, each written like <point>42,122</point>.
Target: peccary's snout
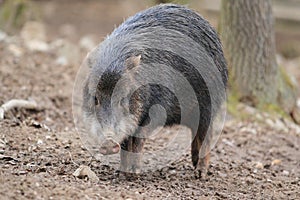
<point>109,146</point>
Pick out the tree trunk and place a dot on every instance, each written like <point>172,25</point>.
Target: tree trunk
<point>247,33</point>
<point>14,14</point>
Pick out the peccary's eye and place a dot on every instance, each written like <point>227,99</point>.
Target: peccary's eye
<point>96,102</point>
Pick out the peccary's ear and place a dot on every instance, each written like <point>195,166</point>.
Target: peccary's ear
<point>133,62</point>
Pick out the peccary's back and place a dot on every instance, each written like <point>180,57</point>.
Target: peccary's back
<point>181,19</point>
<point>175,37</point>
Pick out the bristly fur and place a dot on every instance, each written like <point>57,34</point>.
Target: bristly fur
<point>165,35</point>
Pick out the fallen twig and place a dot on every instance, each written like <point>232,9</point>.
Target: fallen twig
<point>16,103</point>
<point>73,160</point>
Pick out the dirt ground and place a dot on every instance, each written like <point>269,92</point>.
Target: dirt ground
<point>40,149</point>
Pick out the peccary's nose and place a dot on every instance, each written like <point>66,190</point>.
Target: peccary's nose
<point>109,146</point>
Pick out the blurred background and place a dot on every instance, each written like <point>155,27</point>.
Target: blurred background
<point>60,33</point>
<point>75,19</point>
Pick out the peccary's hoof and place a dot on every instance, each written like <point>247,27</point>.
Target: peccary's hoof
<point>136,170</point>
<point>201,171</point>
<point>123,168</point>
<point>130,170</point>
<point>201,174</point>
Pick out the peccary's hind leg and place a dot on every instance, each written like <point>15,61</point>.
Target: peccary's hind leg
<point>200,153</point>
<point>196,145</point>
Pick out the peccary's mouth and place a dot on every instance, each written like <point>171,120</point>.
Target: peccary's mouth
<point>109,146</point>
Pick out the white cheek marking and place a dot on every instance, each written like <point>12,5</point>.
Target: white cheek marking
<point>123,128</point>
<point>94,128</point>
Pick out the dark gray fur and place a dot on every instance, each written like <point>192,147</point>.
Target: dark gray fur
<point>169,35</point>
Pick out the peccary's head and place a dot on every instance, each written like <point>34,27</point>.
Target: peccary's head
<point>110,112</point>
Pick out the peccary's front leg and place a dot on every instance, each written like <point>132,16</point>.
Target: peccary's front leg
<point>131,154</point>
<point>137,154</point>
<point>126,147</point>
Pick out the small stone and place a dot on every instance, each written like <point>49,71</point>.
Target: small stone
<point>270,122</point>
<point>62,61</point>
<point>2,36</point>
<point>39,142</point>
<point>279,125</point>
<point>249,180</point>
<point>247,109</point>
<point>223,175</point>
<point>259,116</point>
<point>229,143</point>
<point>85,171</point>
<point>34,36</point>
<point>259,165</point>
<point>15,50</point>
<point>37,45</point>
<point>276,162</point>
<point>248,130</point>
<point>33,30</point>
<point>48,137</point>
<point>87,43</point>
<point>285,172</point>
<point>22,172</point>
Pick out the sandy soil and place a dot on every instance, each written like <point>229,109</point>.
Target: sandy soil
<point>40,149</point>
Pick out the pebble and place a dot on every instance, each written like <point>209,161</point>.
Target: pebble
<point>259,165</point>
<point>87,43</point>
<point>276,162</point>
<point>285,172</point>
<point>15,50</point>
<point>37,45</point>
<point>85,171</point>
<point>229,143</point>
<point>249,130</point>
<point>34,36</point>
<point>62,61</point>
<point>39,142</point>
<point>223,175</point>
<point>2,36</point>
<point>33,30</point>
<point>48,137</point>
<point>270,122</point>
<point>22,172</point>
